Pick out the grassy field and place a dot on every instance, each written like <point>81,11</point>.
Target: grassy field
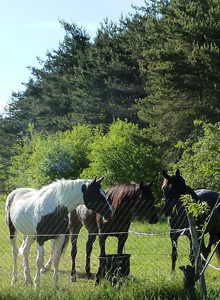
<point>150,268</point>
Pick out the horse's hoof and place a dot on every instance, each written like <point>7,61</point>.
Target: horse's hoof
<point>13,281</point>
<point>28,281</point>
<point>43,270</point>
<point>73,278</point>
<point>89,276</point>
<point>97,280</point>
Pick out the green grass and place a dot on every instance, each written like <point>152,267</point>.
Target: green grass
<point>150,268</point>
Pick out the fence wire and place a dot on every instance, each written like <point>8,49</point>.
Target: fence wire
<point>149,247</point>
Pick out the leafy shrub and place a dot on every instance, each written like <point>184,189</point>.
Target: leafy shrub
<point>42,158</point>
<point>123,155</point>
<point>201,159</point>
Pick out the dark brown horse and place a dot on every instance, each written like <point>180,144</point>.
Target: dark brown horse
<point>125,199</point>
<point>174,186</point>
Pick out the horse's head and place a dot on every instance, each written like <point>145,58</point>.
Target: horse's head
<point>145,204</point>
<point>95,199</point>
<point>173,187</point>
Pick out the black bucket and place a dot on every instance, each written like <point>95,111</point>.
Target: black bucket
<point>114,266</point>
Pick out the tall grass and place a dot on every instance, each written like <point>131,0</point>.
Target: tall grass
<point>150,269</point>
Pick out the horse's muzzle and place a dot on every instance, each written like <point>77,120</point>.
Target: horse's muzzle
<point>109,217</point>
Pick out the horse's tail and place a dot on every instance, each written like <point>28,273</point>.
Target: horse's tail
<point>218,253</point>
<point>8,203</point>
<point>8,221</point>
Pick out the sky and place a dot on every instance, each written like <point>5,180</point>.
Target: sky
<point>30,28</point>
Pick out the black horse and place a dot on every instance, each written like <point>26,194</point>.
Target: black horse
<point>125,199</point>
<point>174,187</point>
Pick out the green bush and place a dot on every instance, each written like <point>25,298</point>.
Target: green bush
<point>201,159</point>
<point>42,158</point>
<point>123,155</point>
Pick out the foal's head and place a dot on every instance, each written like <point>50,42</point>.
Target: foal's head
<point>145,204</point>
<point>173,187</point>
<point>95,199</point>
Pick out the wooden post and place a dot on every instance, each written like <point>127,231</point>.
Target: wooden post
<point>197,257</point>
<point>189,281</point>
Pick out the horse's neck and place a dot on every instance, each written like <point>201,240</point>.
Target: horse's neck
<point>71,195</point>
<point>193,194</point>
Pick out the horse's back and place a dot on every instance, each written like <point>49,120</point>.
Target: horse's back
<point>208,196</point>
<point>19,211</point>
<point>13,196</point>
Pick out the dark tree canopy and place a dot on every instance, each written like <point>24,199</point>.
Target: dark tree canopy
<point>158,68</point>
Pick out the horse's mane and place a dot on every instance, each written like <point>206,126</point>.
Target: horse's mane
<point>119,193</point>
<point>60,187</point>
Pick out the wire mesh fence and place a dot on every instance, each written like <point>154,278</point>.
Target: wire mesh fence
<point>148,245</point>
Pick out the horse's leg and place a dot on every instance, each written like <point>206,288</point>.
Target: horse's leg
<point>13,239</point>
<point>122,238</point>
<point>74,237</point>
<point>206,250</point>
<point>174,240</point>
<point>89,244</point>
<point>39,264</point>
<point>58,243</point>
<point>100,273</point>
<point>47,266</point>
<point>25,250</point>
<point>102,239</point>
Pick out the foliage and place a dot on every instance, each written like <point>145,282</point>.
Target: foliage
<point>82,82</point>
<point>158,68</point>
<point>180,61</point>
<point>195,208</point>
<point>122,155</point>
<point>201,158</point>
<point>42,158</point>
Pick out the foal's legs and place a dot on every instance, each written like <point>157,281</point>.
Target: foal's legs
<point>58,243</point>
<point>25,250</point>
<point>102,239</point>
<point>75,229</point>
<point>89,244</point>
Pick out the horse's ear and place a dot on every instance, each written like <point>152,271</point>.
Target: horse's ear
<point>94,180</point>
<point>100,179</point>
<point>141,185</point>
<point>83,188</point>
<point>165,174</point>
<point>150,183</point>
<point>177,173</point>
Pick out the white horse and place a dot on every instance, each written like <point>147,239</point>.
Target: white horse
<point>43,215</point>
